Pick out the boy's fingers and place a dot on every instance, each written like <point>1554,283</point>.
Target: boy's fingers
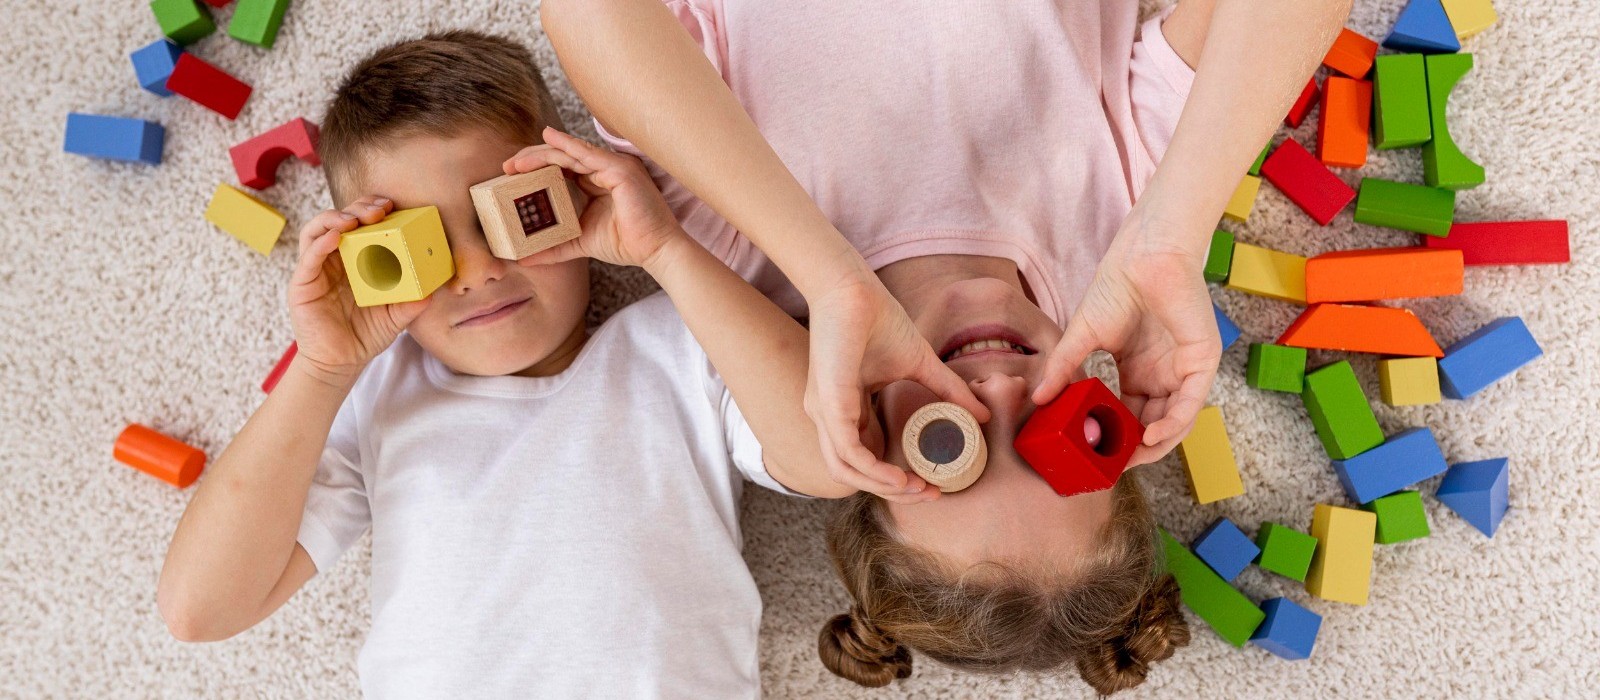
<point>1076,343</point>
<point>312,256</point>
<point>324,221</point>
<point>369,210</point>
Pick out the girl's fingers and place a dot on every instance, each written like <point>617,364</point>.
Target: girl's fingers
<point>938,378</point>
<point>1068,356</point>
<point>536,157</point>
<point>1181,409</point>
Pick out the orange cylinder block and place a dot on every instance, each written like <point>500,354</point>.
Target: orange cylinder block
<point>160,456</point>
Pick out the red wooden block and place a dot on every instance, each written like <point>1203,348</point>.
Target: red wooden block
<point>218,3</point>
<point>208,85</point>
<point>256,160</point>
<point>1351,54</point>
<point>278,369</point>
<point>1378,330</point>
<point>1507,242</point>
<point>1302,104</point>
<point>1054,444</point>
<point>1306,181</point>
<point>1345,126</point>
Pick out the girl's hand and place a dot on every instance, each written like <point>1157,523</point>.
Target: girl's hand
<point>337,338</point>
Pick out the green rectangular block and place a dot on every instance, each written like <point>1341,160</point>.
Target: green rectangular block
<point>1406,207</point>
<point>1401,517</point>
<point>1220,258</point>
<point>1285,551</point>
<point>1400,102</point>
<point>256,21</point>
<point>1221,605</point>
<point>183,21</point>
<point>1276,368</point>
<point>1256,168</point>
<point>1443,163</point>
<point>1340,411</point>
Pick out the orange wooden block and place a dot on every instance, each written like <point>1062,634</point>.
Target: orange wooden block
<point>1342,133</point>
<point>1351,54</point>
<point>1352,328</point>
<point>1383,273</point>
<point>159,456</point>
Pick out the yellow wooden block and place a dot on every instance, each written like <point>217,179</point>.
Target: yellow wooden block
<point>1244,199</point>
<point>1341,568</point>
<point>402,258</point>
<point>1208,458</point>
<point>1409,381</point>
<point>1468,17</point>
<point>1268,273</point>
<point>246,218</point>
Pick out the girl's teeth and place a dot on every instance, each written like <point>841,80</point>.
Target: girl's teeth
<point>982,345</point>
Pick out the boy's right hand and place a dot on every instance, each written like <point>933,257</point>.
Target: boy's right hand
<point>337,338</point>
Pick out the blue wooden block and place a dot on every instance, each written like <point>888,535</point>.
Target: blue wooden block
<point>1226,549</point>
<point>1226,327</point>
<point>1479,492</point>
<point>1402,460</point>
<point>1289,630</point>
<point>1486,356</point>
<point>116,138</point>
<point>153,63</point>
<point>1423,27</point>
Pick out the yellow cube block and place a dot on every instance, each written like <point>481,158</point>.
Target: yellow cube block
<point>1468,17</point>
<point>1409,381</point>
<point>1341,568</point>
<point>246,218</point>
<point>1244,199</point>
<point>402,258</point>
<point>1268,273</point>
<point>1208,457</point>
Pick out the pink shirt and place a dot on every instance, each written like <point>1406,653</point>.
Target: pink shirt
<point>1021,129</point>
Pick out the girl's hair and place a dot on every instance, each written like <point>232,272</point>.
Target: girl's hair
<point>1112,616</point>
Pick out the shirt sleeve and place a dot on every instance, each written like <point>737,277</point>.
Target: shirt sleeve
<point>1158,86</point>
<point>337,511</point>
<point>743,447</point>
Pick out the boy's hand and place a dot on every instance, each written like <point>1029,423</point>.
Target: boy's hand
<point>337,338</point>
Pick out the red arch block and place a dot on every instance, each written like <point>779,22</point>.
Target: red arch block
<point>256,160</point>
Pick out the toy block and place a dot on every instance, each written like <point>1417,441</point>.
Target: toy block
<point>1255,168</point>
<point>1208,459</point>
<point>208,86</point>
<point>154,63</point>
<point>1340,412</point>
<point>1409,381</point>
<point>1225,549</point>
<point>1423,27</point>
<point>1220,605</point>
<point>945,445</point>
<point>1303,104</point>
<point>1404,459</point>
<point>1346,122</point>
<point>1351,54</point>
<point>114,138</point>
<point>1056,444</point>
<point>1401,517</point>
<point>525,213</point>
<point>219,4</point>
<point>1406,207</point>
<point>1400,102</point>
<point>1506,242</point>
<point>183,21</point>
<point>1307,182</point>
<point>1268,273</point>
<point>276,374</point>
<point>1226,328</point>
<point>1220,256</point>
<point>1289,630</point>
<point>1243,200</point>
<point>256,160</point>
<point>1285,551</point>
<point>1378,330</point>
<point>1276,368</point>
<point>1341,569</point>
<point>246,218</point>
<point>1443,163</point>
<point>159,456</point>
<point>1484,357</point>
<point>1469,17</point>
<point>403,258</point>
<point>1479,492</point>
<point>256,21</point>
<point>1383,273</point>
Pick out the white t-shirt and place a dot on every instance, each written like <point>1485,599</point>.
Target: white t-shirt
<point>568,536</point>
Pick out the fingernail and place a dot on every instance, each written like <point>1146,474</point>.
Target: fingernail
<point>913,489</point>
<point>381,201</point>
<point>346,216</point>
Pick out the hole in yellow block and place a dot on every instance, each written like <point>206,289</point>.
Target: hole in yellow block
<point>379,267</point>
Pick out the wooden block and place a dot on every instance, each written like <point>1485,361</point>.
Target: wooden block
<point>1208,459</point>
<point>1341,570</point>
<point>256,21</point>
<point>1443,163</point>
<point>1407,207</point>
<point>1255,168</point>
<point>1506,242</point>
<point>1226,328</point>
<point>208,85</point>
<point>1340,412</point>
<point>1276,368</point>
<point>1479,492</point>
<point>403,258</point>
<point>1351,54</point>
<point>1378,330</point>
<point>114,138</point>
<point>1268,273</point>
<point>219,4</point>
<point>1400,102</point>
<point>256,160</point>
<point>1409,381</point>
<point>1303,104</point>
<point>1423,27</point>
<point>1285,551</point>
<point>153,64</point>
<point>1401,517</point>
<point>1484,357</point>
<point>1225,549</point>
<point>1289,630</point>
<point>182,21</point>
<point>1223,607</point>
<point>944,445</point>
<point>1404,459</point>
<point>246,218</point>
<point>1469,17</point>
<point>159,456</point>
<point>1383,273</point>
<point>1243,200</point>
<point>1220,256</point>
<point>1344,129</point>
<point>1055,443</point>
<point>1307,182</point>
<point>276,374</point>
<point>526,213</point>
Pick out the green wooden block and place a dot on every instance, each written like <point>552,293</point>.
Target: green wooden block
<point>1221,605</point>
<point>1276,368</point>
<point>183,21</point>
<point>1400,102</point>
<point>1401,517</point>
<point>1285,551</point>
<point>256,21</point>
<point>1443,164</point>
<point>1407,207</point>
<point>1256,168</point>
<point>1220,258</point>
<point>1340,411</point>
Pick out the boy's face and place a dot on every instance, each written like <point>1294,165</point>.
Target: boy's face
<point>494,317</point>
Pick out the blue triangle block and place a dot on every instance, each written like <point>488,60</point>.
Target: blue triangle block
<point>1478,492</point>
<point>1226,327</point>
<point>1423,27</point>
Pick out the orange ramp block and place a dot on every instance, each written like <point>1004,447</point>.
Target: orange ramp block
<point>1383,273</point>
<point>1351,54</point>
<point>1353,328</point>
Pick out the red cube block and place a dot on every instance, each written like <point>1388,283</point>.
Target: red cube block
<point>208,85</point>
<point>1054,444</point>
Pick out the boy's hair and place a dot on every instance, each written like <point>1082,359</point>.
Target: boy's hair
<point>1112,617</point>
<point>440,85</point>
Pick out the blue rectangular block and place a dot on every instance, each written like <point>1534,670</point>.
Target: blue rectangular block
<point>1423,27</point>
<point>1225,549</point>
<point>116,138</point>
<point>1225,326</point>
<point>1402,460</point>
<point>1290,631</point>
<point>1479,492</point>
<point>1486,356</point>
<point>153,63</point>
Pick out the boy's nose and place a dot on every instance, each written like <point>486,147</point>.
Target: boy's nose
<point>475,268</point>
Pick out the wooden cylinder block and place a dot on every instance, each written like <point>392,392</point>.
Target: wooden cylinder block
<point>945,446</point>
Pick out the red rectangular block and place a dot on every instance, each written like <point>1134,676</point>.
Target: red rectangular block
<point>1055,440</point>
<point>208,85</point>
<point>1378,330</point>
<point>1306,181</point>
<point>1345,126</point>
<point>1351,54</point>
<point>1383,273</point>
<point>1302,104</point>
<point>1507,242</point>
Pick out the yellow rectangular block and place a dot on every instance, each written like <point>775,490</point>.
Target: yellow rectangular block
<point>1341,568</point>
<point>1244,199</point>
<point>1208,458</point>
<point>1468,17</point>
<point>246,218</point>
<point>402,258</point>
<point>1268,273</point>
<point>1409,381</point>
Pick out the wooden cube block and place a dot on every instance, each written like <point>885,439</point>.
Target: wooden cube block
<point>1220,256</point>
<point>114,138</point>
<point>1468,17</point>
<point>1223,607</point>
<point>153,64</point>
<point>183,21</point>
<point>1423,27</point>
<point>1339,410</point>
<point>1484,357</point>
<point>1400,102</point>
<point>246,218</point>
<point>1208,459</point>
<point>1479,492</point>
<point>403,258</point>
<point>256,21</point>
<point>1346,122</point>
<point>1506,242</point>
<point>945,446</point>
<point>1383,273</point>
<point>1306,181</point>
<point>1289,630</point>
<point>1302,105</point>
<point>208,85</point>
<point>1268,273</point>
<point>1055,443</point>
<point>525,213</point>
<point>1404,459</point>
<point>1401,517</point>
<point>1407,207</point>
<point>1243,200</point>
<point>1351,54</point>
<point>1276,368</point>
<point>1409,381</point>
<point>1443,163</point>
<point>1341,569</point>
<point>1226,549</point>
<point>1354,328</point>
<point>1285,551</point>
